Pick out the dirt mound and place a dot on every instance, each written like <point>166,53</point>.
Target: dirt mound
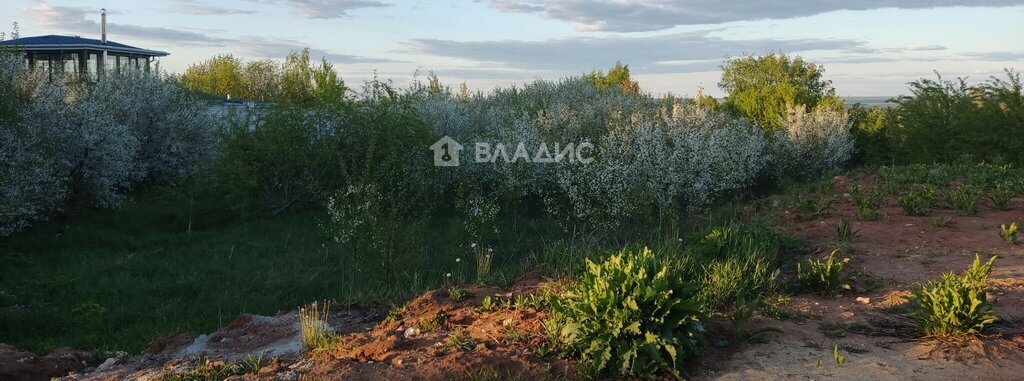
<point>435,336</point>
<point>16,365</point>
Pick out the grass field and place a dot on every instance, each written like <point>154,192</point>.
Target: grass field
<point>117,279</point>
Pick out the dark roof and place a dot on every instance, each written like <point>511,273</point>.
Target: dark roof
<point>53,42</point>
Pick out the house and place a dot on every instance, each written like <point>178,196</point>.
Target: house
<point>75,54</point>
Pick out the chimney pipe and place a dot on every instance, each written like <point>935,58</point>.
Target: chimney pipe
<point>103,26</point>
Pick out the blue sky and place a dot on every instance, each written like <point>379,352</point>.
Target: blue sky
<point>868,47</point>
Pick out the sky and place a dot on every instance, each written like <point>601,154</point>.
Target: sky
<point>867,47</point>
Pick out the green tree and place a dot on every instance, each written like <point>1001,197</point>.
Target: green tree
<point>328,87</point>
<point>220,76</point>
<point>942,120</point>
<point>262,79</point>
<point>297,79</point>
<point>761,87</point>
<point>617,77</point>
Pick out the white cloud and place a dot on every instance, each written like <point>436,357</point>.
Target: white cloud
<point>679,52</point>
<point>651,15</point>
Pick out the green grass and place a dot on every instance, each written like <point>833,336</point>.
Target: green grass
<point>117,279</point>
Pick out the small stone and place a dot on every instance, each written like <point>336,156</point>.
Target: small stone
<point>410,332</point>
<point>863,300</point>
<point>107,364</point>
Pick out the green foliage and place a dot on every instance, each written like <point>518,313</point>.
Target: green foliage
<point>1002,194</point>
<point>872,135</point>
<point>732,260</point>
<point>461,340</point>
<point>840,359</point>
<point>815,208</point>
<point>296,82</point>
<point>939,222</point>
<point>867,202</point>
<point>1008,233</point>
<point>844,231</point>
<point>492,303</point>
<point>633,314</point>
<point>964,199</point>
<point>270,159</point>
<point>433,323</point>
<point>761,87</point>
<point>955,306</point>
<point>458,294</point>
<point>915,200</point>
<point>741,315</point>
<point>617,78</point>
<point>824,276</point>
<point>942,120</point>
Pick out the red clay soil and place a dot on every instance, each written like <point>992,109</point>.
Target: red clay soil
<point>876,339</point>
<point>501,345</point>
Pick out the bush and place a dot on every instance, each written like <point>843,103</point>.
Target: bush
<point>955,306</point>
<point>942,120</point>
<point>79,143</point>
<point>811,144</point>
<point>965,199</point>
<point>633,315</point>
<point>824,276</point>
<point>1008,233</point>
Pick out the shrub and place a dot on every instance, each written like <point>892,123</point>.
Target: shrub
<point>844,231</point>
<point>964,199</point>
<point>811,144</point>
<point>867,202</point>
<point>943,119</point>
<point>1002,194</point>
<point>73,143</point>
<point>633,314</point>
<point>824,276</point>
<point>1008,233</point>
<point>955,306</point>
<point>914,201</point>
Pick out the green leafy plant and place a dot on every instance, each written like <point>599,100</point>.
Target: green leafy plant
<point>955,306</point>
<point>461,340</point>
<point>491,303</point>
<point>939,222</point>
<point>844,232</point>
<point>253,363</point>
<point>1002,194</point>
<point>741,315</point>
<point>632,314</point>
<point>867,202</point>
<point>824,276</point>
<point>432,323</point>
<point>1009,233</point>
<point>815,208</point>
<point>458,294</point>
<point>840,359</point>
<point>316,333</point>
<point>914,201</point>
<point>964,199</point>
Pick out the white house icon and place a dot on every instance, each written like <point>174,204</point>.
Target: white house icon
<point>446,152</point>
